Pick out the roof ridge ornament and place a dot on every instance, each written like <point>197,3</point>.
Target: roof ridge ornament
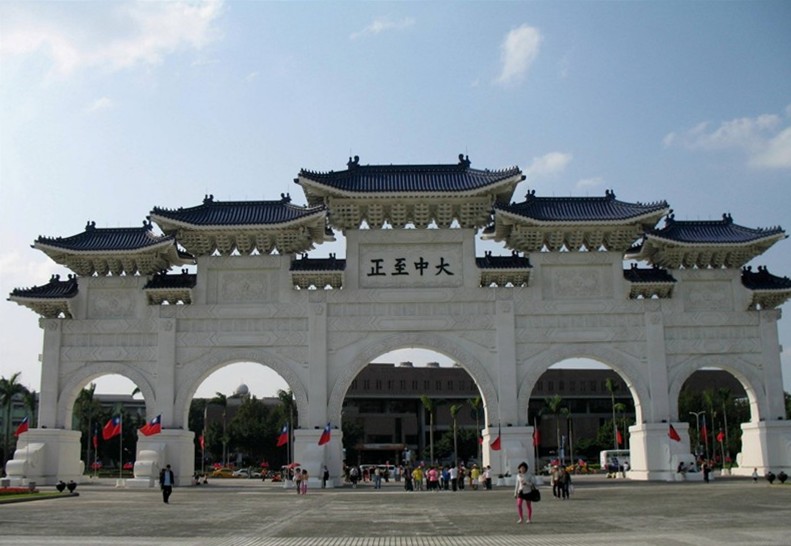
<point>354,162</point>
<point>208,198</point>
<point>727,218</point>
<point>285,197</point>
<point>90,226</point>
<point>609,193</point>
<point>464,161</point>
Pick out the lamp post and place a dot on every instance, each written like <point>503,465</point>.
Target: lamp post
<point>697,415</point>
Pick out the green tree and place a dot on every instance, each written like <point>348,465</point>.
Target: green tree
<point>221,400</point>
<point>611,387</point>
<point>476,405</point>
<point>252,429</point>
<point>554,406</point>
<point>430,407</point>
<point>86,412</point>
<point>353,434</point>
<point>454,410</point>
<point>9,388</point>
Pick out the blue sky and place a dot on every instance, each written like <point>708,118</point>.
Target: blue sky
<point>108,109</point>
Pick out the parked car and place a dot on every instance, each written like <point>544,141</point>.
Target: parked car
<point>246,473</point>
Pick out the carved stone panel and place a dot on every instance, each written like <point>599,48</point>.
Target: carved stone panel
<point>110,303</point>
<point>576,283</point>
<point>410,265</point>
<point>708,296</point>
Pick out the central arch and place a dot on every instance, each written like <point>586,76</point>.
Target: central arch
<point>448,345</point>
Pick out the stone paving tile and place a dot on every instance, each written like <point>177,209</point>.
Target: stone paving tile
<point>249,513</point>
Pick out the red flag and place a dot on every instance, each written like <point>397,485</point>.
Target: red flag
<point>325,435</point>
<point>112,428</point>
<point>154,426</point>
<point>496,444</point>
<point>96,437</point>
<point>202,442</point>
<point>618,437</point>
<point>480,440</point>
<point>283,438</point>
<point>705,433</point>
<point>673,434</point>
<point>720,436</point>
<point>23,427</point>
<point>536,437</point>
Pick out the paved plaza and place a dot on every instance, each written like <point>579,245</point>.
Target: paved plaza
<point>248,512</point>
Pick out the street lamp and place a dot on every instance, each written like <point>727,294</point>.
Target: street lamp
<point>697,415</point>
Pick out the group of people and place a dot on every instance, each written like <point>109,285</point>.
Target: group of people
<point>447,478</point>
<point>561,482</point>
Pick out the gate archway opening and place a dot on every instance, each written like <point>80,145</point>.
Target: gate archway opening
<point>401,408</point>
<point>580,407</point>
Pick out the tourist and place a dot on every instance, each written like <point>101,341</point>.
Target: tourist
<point>474,475</point>
<point>433,479</point>
<point>325,476</point>
<point>487,477</point>
<point>706,471</point>
<point>417,477</point>
<point>564,483</point>
<point>166,482</point>
<point>454,477</point>
<point>445,478</point>
<point>297,477</point>
<point>555,480</point>
<point>525,482</point>
<point>755,475</point>
<point>303,481</point>
<point>407,479</point>
<point>354,475</point>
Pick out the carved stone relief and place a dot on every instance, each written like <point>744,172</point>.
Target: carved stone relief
<point>111,304</point>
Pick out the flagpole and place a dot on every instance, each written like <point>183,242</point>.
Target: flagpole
<point>121,449</point>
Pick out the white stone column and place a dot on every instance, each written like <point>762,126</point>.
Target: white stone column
<point>507,386</point>
<point>172,447</point>
<point>166,374</point>
<point>45,456</point>
<point>765,446</point>
<point>774,407</point>
<point>312,457</point>
<point>658,407</point>
<point>50,376</point>
<point>317,363</point>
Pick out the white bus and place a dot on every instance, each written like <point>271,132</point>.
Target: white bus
<point>612,460</point>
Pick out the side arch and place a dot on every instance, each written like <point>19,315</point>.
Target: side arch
<point>70,390</point>
<point>448,345</point>
<point>218,358</point>
<point>747,373</point>
<point>625,365</point>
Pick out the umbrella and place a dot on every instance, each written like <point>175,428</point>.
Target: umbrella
<point>292,465</point>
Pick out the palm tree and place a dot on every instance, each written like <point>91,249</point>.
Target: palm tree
<point>476,403</point>
<point>221,400</point>
<point>620,408</point>
<point>86,408</point>
<point>9,388</point>
<point>454,410</point>
<point>30,400</point>
<point>554,405</point>
<point>430,407</point>
<point>724,394</point>
<point>611,387</point>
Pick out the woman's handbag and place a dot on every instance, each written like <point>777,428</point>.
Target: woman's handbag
<point>534,495</point>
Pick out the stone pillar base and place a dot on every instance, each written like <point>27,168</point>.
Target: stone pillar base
<point>654,455</point>
<point>312,457</point>
<point>516,445</point>
<point>174,447</point>
<point>45,456</point>
<point>766,446</point>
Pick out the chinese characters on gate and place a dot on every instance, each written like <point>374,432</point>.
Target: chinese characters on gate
<point>401,266</point>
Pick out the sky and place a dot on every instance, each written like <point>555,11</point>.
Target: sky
<point>109,109</point>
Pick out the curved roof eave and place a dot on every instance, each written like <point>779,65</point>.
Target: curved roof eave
<point>771,239</point>
<point>180,224</point>
<point>575,223</point>
<point>166,244</point>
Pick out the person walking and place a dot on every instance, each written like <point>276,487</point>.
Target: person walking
<point>166,481</point>
<point>325,476</point>
<point>303,482</point>
<point>524,483</point>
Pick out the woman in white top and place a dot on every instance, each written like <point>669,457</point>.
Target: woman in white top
<point>524,482</point>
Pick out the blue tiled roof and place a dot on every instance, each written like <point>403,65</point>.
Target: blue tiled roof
<point>514,261</point>
<point>238,213</point>
<point>647,275</point>
<point>581,209</point>
<point>712,232</point>
<point>54,289</point>
<point>95,239</point>
<point>410,178</point>
<point>164,281</point>
<point>318,264</point>
<point>763,280</point>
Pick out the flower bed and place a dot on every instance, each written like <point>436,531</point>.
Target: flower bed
<point>16,490</point>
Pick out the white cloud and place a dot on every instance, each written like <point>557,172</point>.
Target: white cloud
<point>764,139</point>
<point>251,77</point>
<point>120,35</point>
<point>548,165</point>
<point>517,52</point>
<point>103,103</point>
<point>382,24</point>
<point>587,183</point>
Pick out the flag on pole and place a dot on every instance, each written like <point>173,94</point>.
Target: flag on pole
<point>496,444</point>
<point>704,432</point>
<point>154,426</point>
<point>96,437</point>
<point>720,436</point>
<point>112,428</point>
<point>536,436</point>
<point>202,442</point>
<point>671,432</point>
<point>283,438</point>
<point>480,440</point>
<point>23,426</point>
<point>618,437</point>
<point>325,435</point>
